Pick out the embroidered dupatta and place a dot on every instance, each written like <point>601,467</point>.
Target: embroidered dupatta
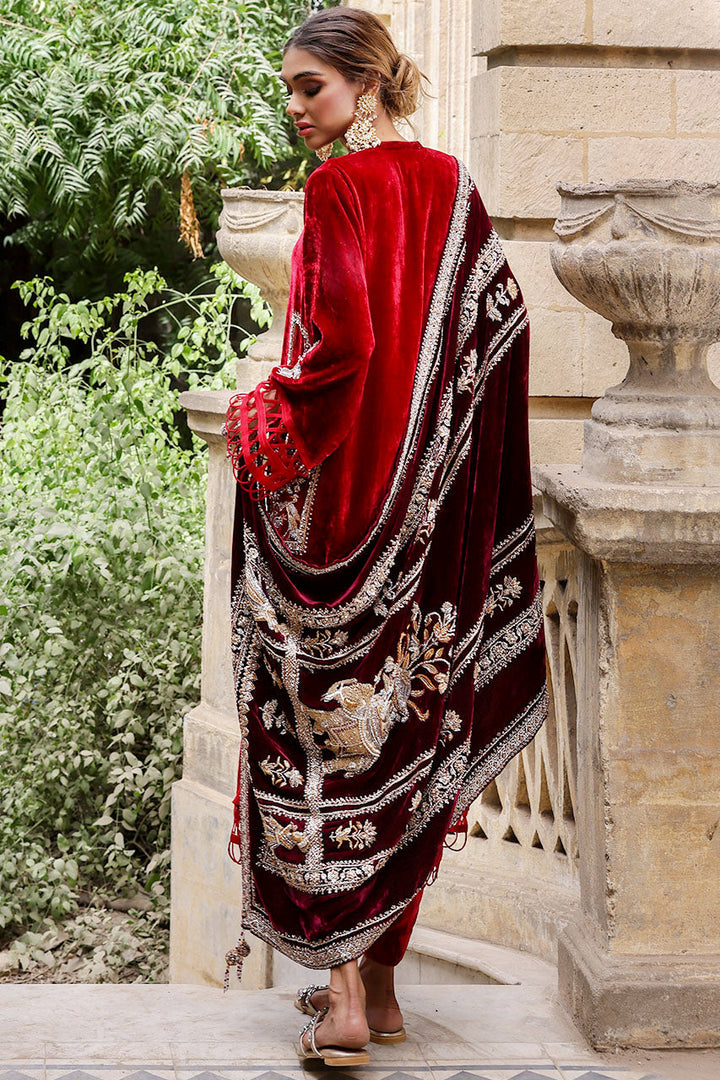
<point>387,664</point>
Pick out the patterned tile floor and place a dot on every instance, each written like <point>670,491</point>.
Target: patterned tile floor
<point>195,1033</point>
<point>286,1071</point>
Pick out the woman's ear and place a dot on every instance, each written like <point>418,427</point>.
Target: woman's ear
<point>371,86</point>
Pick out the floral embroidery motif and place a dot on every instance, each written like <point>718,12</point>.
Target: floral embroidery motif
<point>271,715</point>
<point>451,724</point>
<point>442,788</point>
<point>420,656</point>
<point>289,512</point>
<point>490,259</point>
<point>281,772</point>
<point>287,836</point>
<point>337,875</point>
<point>468,373</point>
<point>356,730</point>
<point>324,643</point>
<point>427,525</point>
<point>501,596</point>
<point>415,801</point>
<point>358,835</point>
<point>385,600</point>
<point>285,513</point>
<point>504,295</point>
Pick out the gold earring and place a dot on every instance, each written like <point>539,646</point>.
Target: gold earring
<point>324,152</point>
<point>362,134</point>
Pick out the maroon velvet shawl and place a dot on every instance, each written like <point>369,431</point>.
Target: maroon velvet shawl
<point>386,620</point>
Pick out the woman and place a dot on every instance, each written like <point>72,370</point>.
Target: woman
<point>387,628</point>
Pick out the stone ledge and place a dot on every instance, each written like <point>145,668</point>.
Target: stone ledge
<point>497,23</point>
<point>621,522</point>
<point>502,965</point>
<point>506,909</point>
<point>206,410</point>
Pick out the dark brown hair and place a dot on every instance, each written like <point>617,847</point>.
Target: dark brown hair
<point>358,45</point>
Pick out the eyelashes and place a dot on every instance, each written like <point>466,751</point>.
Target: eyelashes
<point>308,93</point>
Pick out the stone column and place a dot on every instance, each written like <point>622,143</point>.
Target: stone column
<point>640,965</point>
<point>257,233</point>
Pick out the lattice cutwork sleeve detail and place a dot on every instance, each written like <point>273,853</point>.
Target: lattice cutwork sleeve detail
<point>263,454</point>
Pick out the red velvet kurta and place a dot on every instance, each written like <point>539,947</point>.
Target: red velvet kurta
<point>387,630</point>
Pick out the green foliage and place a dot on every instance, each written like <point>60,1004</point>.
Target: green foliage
<point>105,103</point>
<point>95,946</point>
<point>101,543</point>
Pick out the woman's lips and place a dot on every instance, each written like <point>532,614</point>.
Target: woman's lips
<point>303,129</point>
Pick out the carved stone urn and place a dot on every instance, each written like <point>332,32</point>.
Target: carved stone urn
<point>646,255</point>
<point>258,230</point>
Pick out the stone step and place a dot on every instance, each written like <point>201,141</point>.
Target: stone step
<point>437,957</point>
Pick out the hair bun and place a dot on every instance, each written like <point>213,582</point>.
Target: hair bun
<point>402,91</point>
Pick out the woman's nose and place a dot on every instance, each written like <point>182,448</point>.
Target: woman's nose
<point>292,108</point>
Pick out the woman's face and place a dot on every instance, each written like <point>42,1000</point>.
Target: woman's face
<point>321,100</point>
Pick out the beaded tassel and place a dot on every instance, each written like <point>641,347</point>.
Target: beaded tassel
<point>234,958</point>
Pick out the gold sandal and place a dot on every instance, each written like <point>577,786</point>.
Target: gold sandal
<point>303,999</point>
<point>388,1037</point>
<point>334,1056</point>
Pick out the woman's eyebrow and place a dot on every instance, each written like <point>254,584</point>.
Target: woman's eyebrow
<point>300,75</point>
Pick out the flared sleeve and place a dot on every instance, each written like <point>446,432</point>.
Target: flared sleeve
<point>294,419</point>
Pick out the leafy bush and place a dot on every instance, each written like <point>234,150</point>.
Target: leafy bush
<point>105,104</point>
<point>95,946</point>
<point>101,537</point>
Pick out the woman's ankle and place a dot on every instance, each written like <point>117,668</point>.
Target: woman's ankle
<point>379,981</point>
<point>347,989</point>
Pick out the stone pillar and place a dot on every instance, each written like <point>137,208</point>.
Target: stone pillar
<point>640,964</point>
<point>257,233</point>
